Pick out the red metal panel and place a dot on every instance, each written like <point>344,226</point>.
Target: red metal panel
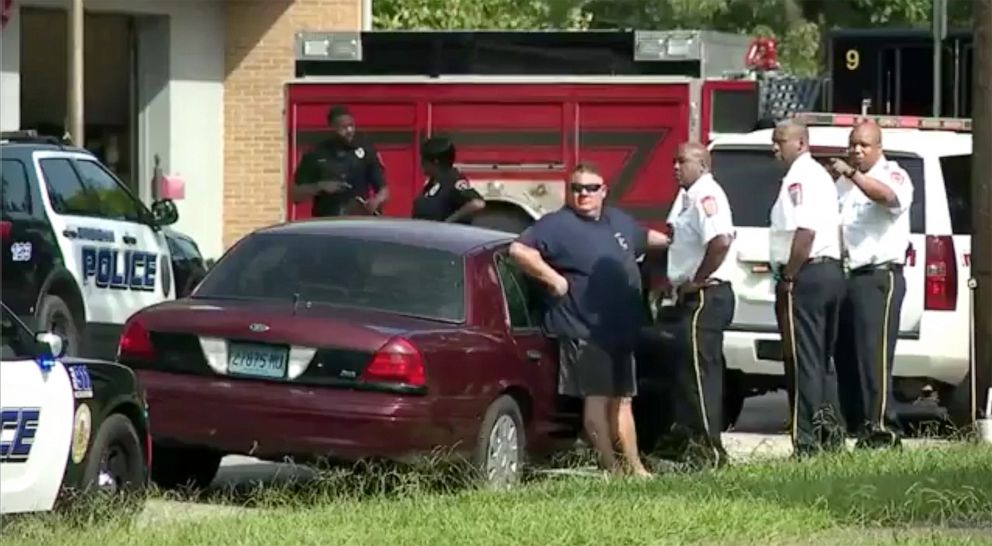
<point>631,129</point>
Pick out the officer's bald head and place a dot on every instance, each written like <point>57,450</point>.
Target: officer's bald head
<point>692,160</point>
<point>865,145</point>
<point>790,139</point>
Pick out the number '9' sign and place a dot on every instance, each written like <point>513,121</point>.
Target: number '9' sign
<point>852,59</point>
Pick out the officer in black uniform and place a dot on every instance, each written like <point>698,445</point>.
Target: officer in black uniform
<point>341,172</point>
<point>447,195</point>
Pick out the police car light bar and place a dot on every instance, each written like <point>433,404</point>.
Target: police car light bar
<point>896,122</point>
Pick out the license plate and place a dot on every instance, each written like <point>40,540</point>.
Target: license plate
<point>257,360</point>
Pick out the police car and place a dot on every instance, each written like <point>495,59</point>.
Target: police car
<point>68,427</point>
<point>932,354</point>
<point>80,252</point>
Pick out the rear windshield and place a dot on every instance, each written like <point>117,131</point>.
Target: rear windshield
<point>752,179</point>
<point>956,170</point>
<point>353,273</point>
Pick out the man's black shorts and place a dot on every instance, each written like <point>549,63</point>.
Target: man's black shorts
<point>589,370</point>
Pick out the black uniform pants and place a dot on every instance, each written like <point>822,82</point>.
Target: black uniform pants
<point>702,318</point>
<point>865,349</point>
<point>808,320</point>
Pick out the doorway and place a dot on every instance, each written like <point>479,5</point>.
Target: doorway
<point>109,110</point>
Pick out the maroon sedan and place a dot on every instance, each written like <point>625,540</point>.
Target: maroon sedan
<point>350,339</point>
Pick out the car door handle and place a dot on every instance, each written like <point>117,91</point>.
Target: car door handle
<point>69,233</point>
<point>534,355</point>
<point>129,240</point>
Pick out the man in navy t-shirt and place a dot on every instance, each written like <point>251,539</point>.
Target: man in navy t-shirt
<point>586,255</point>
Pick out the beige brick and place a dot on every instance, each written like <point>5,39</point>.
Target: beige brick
<point>258,59</point>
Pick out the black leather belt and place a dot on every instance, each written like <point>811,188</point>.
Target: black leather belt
<point>821,260</point>
<point>871,268</point>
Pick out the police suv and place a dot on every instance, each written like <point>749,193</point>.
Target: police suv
<point>68,427</point>
<point>81,253</point>
<point>932,354</point>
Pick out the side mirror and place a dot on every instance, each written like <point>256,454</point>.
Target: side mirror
<point>49,346</point>
<point>164,212</point>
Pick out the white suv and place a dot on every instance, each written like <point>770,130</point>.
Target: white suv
<point>933,347</point>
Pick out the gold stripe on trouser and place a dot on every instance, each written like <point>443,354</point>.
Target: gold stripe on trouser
<point>795,365</point>
<point>695,360</point>
<point>884,357</point>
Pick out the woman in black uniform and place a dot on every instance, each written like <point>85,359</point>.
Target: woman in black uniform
<point>447,195</point>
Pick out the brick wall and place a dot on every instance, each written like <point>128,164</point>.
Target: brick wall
<point>258,45</point>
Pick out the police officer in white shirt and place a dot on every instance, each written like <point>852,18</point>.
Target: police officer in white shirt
<point>805,254</point>
<point>875,197</point>
<point>702,228</point>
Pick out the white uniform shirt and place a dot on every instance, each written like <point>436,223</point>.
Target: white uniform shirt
<point>875,233</point>
<point>807,200</point>
<point>698,215</point>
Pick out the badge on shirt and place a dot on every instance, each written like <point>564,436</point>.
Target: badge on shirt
<point>432,191</point>
<point>709,205</point>
<point>896,177</point>
<point>796,193</point>
<point>462,185</point>
<point>360,153</point>
<point>621,241</point>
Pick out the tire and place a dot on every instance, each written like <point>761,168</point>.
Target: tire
<point>733,398</point>
<point>54,316</point>
<point>501,446</point>
<point>177,467</point>
<point>116,463</point>
<point>957,402</point>
<point>653,418</point>
<point>503,219</point>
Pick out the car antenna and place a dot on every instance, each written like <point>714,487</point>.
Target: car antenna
<point>296,301</point>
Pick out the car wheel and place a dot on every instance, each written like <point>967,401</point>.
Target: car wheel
<point>653,418</point>
<point>501,444</point>
<point>733,398</point>
<point>174,467</point>
<point>957,402</point>
<point>54,316</point>
<point>116,463</point>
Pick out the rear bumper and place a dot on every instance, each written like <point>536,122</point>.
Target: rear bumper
<point>272,420</point>
<point>945,362</point>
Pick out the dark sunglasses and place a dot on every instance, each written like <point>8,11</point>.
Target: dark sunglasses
<point>587,188</point>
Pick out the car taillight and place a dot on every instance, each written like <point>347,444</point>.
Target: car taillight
<point>135,344</point>
<point>941,274</point>
<point>398,361</point>
<point>5,228</point>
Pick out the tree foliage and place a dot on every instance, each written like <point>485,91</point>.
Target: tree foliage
<point>798,25</point>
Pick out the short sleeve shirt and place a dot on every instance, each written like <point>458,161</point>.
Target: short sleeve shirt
<point>441,197</point>
<point>599,260</point>
<point>806,200</point>
<point>876,233</point>
<point>358,164</point>
<point>700,214</point>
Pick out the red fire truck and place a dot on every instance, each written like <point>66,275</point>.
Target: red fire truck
<point>524,107</point>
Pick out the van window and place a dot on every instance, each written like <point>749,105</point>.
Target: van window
<point>956,170</point>
<point>752,178</point>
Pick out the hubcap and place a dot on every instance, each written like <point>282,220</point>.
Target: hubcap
<point>503,458</point>
<point>113,469</point>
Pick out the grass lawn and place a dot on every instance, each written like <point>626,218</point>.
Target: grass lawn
<point>927,496</point>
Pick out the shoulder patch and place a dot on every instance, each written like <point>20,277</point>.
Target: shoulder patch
<point>709,205</point>
<point>796,193</point>
<point>360,152</point>
<point>461,185</point>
